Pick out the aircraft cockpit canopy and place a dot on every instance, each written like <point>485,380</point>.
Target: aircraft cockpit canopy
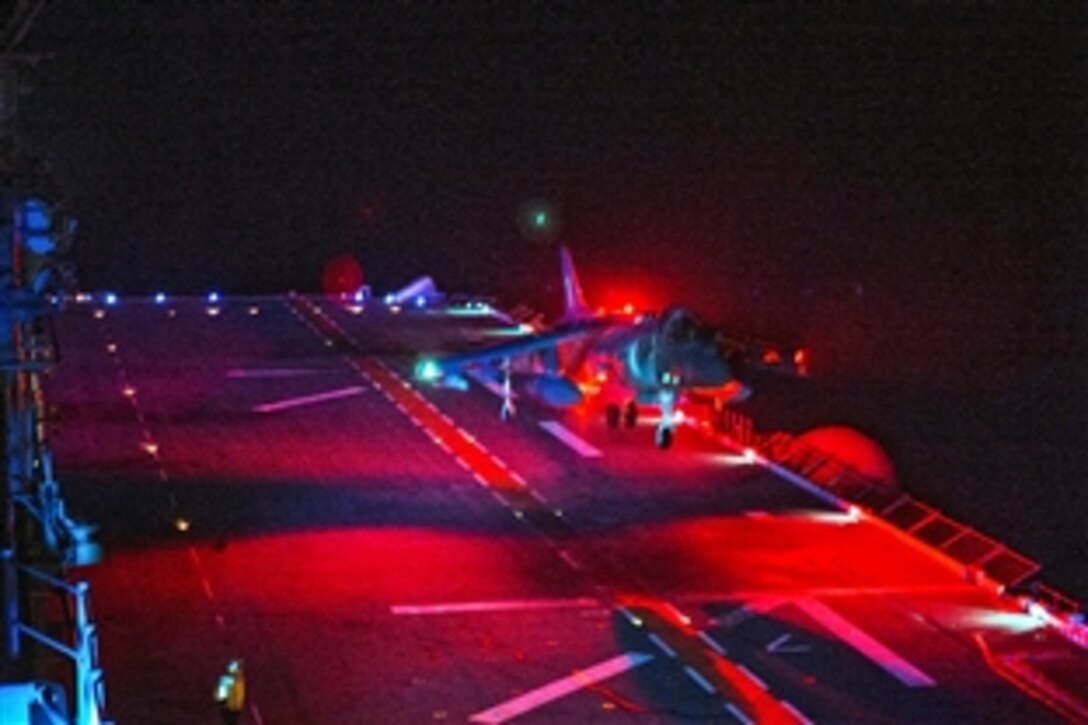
<point>679,325</point>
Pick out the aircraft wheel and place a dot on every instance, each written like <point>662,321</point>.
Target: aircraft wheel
<point>630,414</point>
<point>663,438</point>
<point>612,416</point>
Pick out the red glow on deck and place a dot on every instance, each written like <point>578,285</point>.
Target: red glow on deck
<point>854,449</point>
<point>630,298</point>
<point>387,563</point>
<point>298,539</point>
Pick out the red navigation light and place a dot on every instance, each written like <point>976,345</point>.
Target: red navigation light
<point>342,275</point>
<point>771,357</point>
<point>627,298</point>
<point>800,360</point>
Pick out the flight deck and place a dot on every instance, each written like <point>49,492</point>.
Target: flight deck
<point>272,484</point>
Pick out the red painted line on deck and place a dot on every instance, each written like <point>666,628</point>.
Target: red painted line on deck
<point>441,429</point>
<point>458,442</point>
<point>757,702</point>
<point>664,622</point>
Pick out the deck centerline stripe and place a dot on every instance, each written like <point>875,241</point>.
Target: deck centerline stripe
<point>738,714</point>
<point>699,679</point>
<point>478,460</point>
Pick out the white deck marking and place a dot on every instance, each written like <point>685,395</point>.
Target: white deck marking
<point>308,399</point>
<point>699,680</point>
<point>780,595</point>
<point>631,616</point>
<point>511,605</point>
<point>571,561</point>
<point>564,434</point>
<point>712,643</point>
<point>738,714</point>
<point>753,608</point>
<point>883,657</point>
<point>661,645</point>
<point>752,676</point>
<point>780,646</point>
<point>273,372</point>
<point>561,688</point>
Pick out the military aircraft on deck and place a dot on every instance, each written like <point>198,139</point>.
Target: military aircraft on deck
<point>623,360</point>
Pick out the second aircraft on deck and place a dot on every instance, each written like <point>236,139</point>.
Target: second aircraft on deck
<point>621,360</point>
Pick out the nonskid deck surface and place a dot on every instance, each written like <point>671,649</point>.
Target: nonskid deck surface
<point>271,484</point>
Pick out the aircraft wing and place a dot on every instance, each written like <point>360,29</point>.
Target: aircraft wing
<point>435,369</point>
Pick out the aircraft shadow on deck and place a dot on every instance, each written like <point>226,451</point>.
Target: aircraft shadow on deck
<point>134,509</point>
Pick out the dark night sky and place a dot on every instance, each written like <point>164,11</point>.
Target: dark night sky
<point>764,165</point>
<point>902,190</point>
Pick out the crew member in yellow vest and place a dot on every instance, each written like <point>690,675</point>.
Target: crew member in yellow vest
<point>231,693</point>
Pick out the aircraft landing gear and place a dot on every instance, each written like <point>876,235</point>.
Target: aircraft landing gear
<point>630,414</point>
<point>666,428</point>
<point>612,415</point>
<point>663,437</point>
<point>507,411</point>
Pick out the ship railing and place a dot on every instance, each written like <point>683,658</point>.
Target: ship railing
<point>89,692</point>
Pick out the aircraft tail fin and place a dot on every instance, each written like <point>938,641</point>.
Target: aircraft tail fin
<point>574,302</point>
<point>421,288</point>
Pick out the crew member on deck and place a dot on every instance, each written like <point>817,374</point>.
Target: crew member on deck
<point>231,693</point>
